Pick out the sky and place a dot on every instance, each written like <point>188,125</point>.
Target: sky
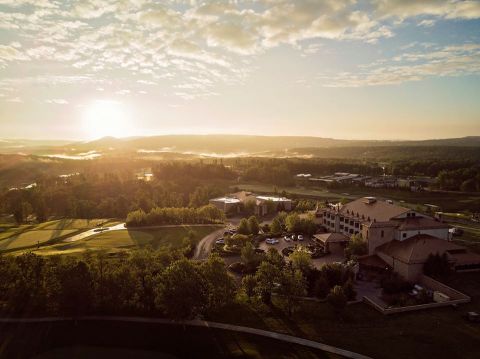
<point>372,69</point>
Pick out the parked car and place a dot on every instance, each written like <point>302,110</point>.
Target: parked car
<point>300,237</point>
<point>220,241</point>
<point>271,241</point>
<point>287,239</point>
<point>456,231</point>
<point>96,230</point>
<point>294,238</point>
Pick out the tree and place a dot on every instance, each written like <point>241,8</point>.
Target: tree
<point>337,299</point>
<point>249,257</point>
<point>276,227</point>
<point>437,265</point>
<point>266,277</point>
<point>293,223</point>
<point>182,291</point>
<point>253,226</point>
<point>301,260</point>
<point>248,284</point>
<point>220,285</point>
<point>349,290</point>
<point>356,247</point>
<point>243,227</point>
<point>292,286</point>
<point>321,287</point>
<point>272,256</point>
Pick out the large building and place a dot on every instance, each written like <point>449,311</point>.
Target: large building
<point>262,204</point>
<point>398,238</point>
<point>379,222</point>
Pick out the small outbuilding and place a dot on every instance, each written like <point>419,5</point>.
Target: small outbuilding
<point>331,241</point>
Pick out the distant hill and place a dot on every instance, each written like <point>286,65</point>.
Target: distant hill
<point>244,145</point>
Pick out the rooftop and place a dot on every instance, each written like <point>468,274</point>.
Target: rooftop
<point>416,249</point>
<point>331,237</point>
<point>370,207</point>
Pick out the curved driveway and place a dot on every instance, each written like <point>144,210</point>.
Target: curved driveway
<point>204,247</point>
<point>201,323</point>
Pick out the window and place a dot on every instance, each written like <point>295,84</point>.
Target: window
<point>404,235</point>
<point>341,226</point>
<point>382,234</point>
<point>357,225</point>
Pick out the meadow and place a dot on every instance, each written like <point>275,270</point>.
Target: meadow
<point>120,240</point>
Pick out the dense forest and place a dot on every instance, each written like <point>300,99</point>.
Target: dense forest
<point>109,187</point>
<point>160,283</point>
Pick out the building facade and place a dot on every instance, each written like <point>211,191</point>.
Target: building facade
<point>379,222</point>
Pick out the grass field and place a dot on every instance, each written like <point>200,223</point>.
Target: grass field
<point>75,223</point>
<point>135,340</point>
<point>470,236</point>
<point>114,241</point>
<point>33,238</point>
<point>437,333</point>
<point>30,236</point>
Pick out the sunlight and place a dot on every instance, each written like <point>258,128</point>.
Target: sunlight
<point>106,118</point>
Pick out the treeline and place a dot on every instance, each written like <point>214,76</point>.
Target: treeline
<point>172,171</point>
<point>428,167</point>
<point>143,282</point>
<point>93,195</point>
<point>164,216</point>
<point>161,283</point>
<point>463,179</point>
<point>282,171</point>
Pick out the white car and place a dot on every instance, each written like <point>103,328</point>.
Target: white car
<point>287,239</point>
<point>300,237</point>
<point>220,241</point>
<point>271,241</point>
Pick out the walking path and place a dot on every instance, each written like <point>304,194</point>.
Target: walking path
<point>199,323</point>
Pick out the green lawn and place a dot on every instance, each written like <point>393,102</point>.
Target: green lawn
<point>32,238</point>
<point>75,223</point>
<point>114,241</point>
<point>438,333</point>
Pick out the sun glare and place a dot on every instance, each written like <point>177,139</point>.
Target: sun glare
<point>106,118</point>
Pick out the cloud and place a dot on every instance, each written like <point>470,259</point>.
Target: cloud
<point>444,61</point>
<point>449,9</point>
<point>109,42</point>
<point>57,101</point>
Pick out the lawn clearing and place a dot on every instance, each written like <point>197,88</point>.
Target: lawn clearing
<point>114,241</point>
<point>33,238</point>
<point>70,223</point>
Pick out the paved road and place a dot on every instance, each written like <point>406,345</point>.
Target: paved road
<point>91,233</point>
<point>204,247</point>
<point>200,323</point>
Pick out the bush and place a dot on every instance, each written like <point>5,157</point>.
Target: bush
<point>393,284</point>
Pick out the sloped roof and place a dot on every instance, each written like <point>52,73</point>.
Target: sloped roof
<point>381,211</point>
<point>413,223</point>
<point>416,249</point>
<point>331,237</point>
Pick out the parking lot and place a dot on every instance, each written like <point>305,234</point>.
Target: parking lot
<point>335,256</point>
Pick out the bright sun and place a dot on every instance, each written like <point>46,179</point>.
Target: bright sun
<point>106,118</point>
